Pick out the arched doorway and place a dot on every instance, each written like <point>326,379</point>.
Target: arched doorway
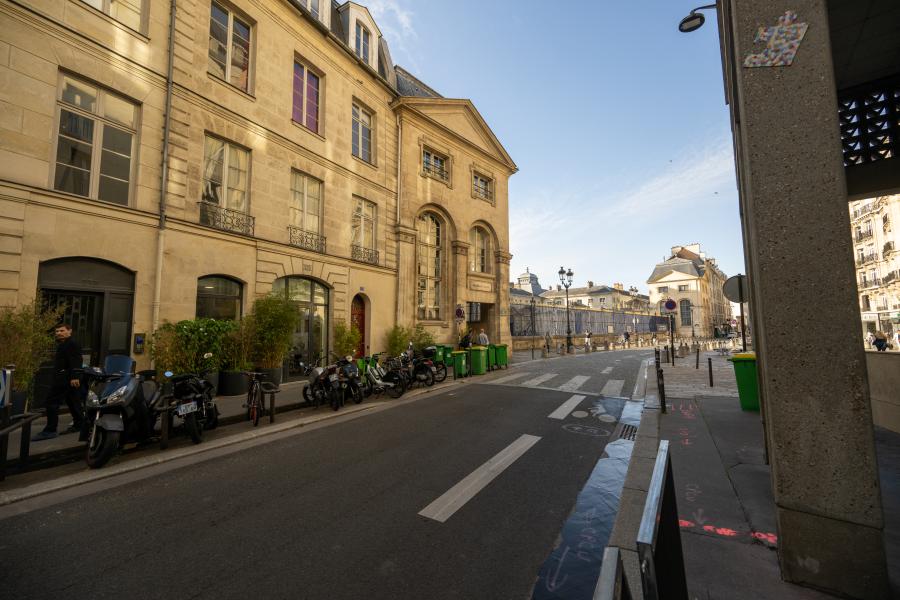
<point>97,297</point>
<point>310,341</point>
<point>358,318</point>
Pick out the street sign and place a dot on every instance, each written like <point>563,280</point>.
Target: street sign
<point>734,321</point>
<point>460,313</point>
<point>736,289</point>
<point>671,304</point>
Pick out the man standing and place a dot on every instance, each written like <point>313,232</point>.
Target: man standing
<point>65,383</point>
<point>483,339</point>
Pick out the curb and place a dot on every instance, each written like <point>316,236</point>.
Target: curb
<point>69,481</point>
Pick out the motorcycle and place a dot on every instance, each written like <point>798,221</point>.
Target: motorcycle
<point>379,381</point>
<point>193,400</point>
<point>420,370</point>
<point>345,381</point>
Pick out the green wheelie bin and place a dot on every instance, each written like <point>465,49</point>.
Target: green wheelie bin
<point>491,357</point>
<point>460,368</point>
<point>745,373</point>
<point>438,353</point>
<point>448,356</point>
<point>479,360</point>
<point>502,356</point>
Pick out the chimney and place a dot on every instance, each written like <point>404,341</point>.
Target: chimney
<point>617,286</point>
<point>558,288</point>
<point>590,284</point>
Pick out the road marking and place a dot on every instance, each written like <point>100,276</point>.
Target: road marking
<point>607,370</point>
<point>565,408</point>
<point>613,387</point>
<point>457,496</point>
<point>573,384</point>
<point>538,380</point>
<point>510,377</point>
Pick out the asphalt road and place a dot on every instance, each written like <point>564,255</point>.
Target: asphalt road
<point>333,512</point>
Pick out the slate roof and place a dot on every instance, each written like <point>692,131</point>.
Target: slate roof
<point>410,85</point>
<point>693,268</point>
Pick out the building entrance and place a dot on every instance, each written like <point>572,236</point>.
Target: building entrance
<point>310,342</point>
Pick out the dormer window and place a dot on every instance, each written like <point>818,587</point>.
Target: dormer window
<point>313,7</point>
<point>362,42</point>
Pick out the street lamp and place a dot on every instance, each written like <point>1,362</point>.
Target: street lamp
<point>565,278</point>
<point>533,332</point>
<point>694,20</point>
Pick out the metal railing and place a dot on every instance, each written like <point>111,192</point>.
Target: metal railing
<point>436,170</point>
<point>484,193</point>
<point>867,283</point>
<point>862,211</point>
<point>888,248</point>
<point>226,219</point>
<point>366,255</point>
<point>306,239</point>
<point>864,235</point>
<point>862,260</point>
<point>889,277</point>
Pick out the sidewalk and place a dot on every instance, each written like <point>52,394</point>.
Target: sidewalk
<point>723,486</point>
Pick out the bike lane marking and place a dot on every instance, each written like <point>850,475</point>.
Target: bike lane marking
<point>613,387</point>
<point>456,497</point>
<point>565,408</point>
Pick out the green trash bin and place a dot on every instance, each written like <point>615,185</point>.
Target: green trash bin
<point>502,356</point>
<point>448,355</point>
<point>459,363</point>
<point>438,353</point>
<point>479,360</point>
<point>745,373</point>
<point>491,357</point>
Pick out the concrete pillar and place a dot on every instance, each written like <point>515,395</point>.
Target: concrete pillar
<point>800,264</point>
<point>500,327</point>
<point>459,269</point>
<point>406,275</point>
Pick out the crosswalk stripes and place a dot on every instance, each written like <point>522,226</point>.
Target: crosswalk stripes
<point>607,370</point>
<point>565,408</point>
<point>573,384</point>
<point>510,377</point>
<point>613,387</point>
<point>538,380</point>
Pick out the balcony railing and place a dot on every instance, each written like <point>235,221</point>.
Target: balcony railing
<point>869,283</point>
<point>306,239</point>
<point>366,255</point>
<point>893,275</point>
<point>863,211</point>
<point>436,171</point>
<point>864,235</point>
<point>862,260</point>
<point>226,218</point>
<point>484,193</point>
<point>888,247</point>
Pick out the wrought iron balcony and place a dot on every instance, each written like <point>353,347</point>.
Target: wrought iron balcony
<point>864,235</point>
<point>888,247</point>
<point>869,283</point>
<point>862,260</point>
<point>436,171</point>
<point>892,276</point>
<point>484,193</point>
<point>225,218</point>
<point>306,239</point>
<point>366,255</point>
<point>863,211</point>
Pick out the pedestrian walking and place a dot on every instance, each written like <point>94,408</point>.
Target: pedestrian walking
<point>587,339</point>
<point>881,341</point>
<point>65,386</point>
<point>548,341</point>
<point>483,339</point>
<point>466,340</point>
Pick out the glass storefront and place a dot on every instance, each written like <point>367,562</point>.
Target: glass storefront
<point>310,341</point>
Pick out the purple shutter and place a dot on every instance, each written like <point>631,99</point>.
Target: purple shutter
<point>297,114</point>
<point>312,101</point>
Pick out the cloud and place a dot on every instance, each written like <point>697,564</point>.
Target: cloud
<point>396,23</point>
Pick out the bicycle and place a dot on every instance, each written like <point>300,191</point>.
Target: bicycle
<point>255,405</point>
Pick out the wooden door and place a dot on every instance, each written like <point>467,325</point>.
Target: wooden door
<point>358,318</point>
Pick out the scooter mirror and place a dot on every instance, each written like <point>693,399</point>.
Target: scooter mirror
<point>168,373</point>
<point>207,355</point>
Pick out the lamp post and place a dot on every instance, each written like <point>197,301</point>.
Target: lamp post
<point>565,278</point>
<point>533,331</point>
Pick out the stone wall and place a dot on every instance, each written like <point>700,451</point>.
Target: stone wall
<point>884,388</point>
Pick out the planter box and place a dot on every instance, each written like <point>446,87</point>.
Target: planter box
<point>232,383</point>
<point>270,375</point>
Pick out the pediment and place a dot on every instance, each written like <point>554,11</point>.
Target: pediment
<point>462,119</point>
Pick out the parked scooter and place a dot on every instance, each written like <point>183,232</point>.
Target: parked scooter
<point>347,382</point>
<point>193,400</point>
<point>379,381</point>
<point>421,370</point>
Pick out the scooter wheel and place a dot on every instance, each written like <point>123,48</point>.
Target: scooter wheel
<point>193,428</point>
<point>105,443</point>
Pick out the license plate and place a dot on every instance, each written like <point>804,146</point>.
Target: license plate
<point>332,377</point>
<point>186,408</point>
<point>434,369</point>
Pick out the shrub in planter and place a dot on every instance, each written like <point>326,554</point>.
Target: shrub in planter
<point>396,339</point>
<point>346,339</point>
<point>274,321</point>
<point>237,346</point>
<point>421,338</point>
<point>26,340</point>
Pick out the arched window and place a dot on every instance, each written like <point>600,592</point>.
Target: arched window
<point>310,339</point>
<point>686,318</point>
<point>429,268</point>
<point>218,298</point>
<point>479,253</point>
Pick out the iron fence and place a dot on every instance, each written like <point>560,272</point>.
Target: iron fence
<point>552,320</point>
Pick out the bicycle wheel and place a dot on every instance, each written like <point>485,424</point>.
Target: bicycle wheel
<point>334,397</point>
<point>396,390</point>
<point>441,373</point>
<point>256,405</point>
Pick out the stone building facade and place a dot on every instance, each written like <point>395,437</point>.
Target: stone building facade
<point>265,146</point>
<point>876,247</point>
<point>694,282</point>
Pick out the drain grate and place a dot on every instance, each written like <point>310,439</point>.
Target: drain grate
<point>624,432</point>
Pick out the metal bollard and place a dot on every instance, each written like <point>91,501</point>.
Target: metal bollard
<point>698,358</point>
<point>710,372</point>
<point>661,386</point>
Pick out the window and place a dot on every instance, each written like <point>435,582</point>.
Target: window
<point>218,298</point>
<point>306,202</point>
<point>225,170</point>
<point>481,187</point>
<point>687,319</point>
<point>126,12</point>
<point>95,142</point>
<point>683,288</point>
<point>662,289</point>
<point>362,133</point>
<point>229,60</point>
<point>479,253</point>
<point>435,164</point>
<point>362,42</point>
<point>474,312</point>
<point>306,97</point>
<point>363,233</point>
<point>313,7</point>
<point>429,256</point>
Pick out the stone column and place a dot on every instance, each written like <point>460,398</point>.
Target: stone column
<point>500,327</point>
<point>406,275</point>
<point>800,264</point>
<point>459,278</point>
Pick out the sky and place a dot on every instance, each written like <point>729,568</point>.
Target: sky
<point>616,120</point>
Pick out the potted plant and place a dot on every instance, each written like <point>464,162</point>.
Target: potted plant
<point>237,346</point>
<point>346,339</point>
<point>396,339</point>
<point>274,321</point>
<point>26,341</point>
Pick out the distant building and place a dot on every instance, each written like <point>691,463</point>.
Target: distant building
<point>601,296</point>
<point>694,282</point>
<point>875,245</point>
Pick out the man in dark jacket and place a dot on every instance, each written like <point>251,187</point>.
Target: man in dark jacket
<point>65,383</point>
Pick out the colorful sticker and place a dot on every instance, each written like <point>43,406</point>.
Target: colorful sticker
<point>782,42</point>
